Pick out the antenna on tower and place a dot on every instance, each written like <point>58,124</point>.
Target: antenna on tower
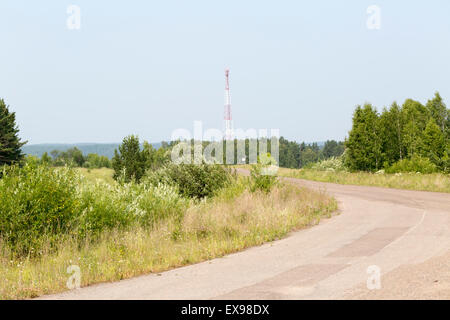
<point>227,114</point>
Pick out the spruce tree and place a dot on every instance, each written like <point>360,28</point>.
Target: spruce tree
<point>330,149</point>
<point>10,144</point>
<point>129,160</point>
<point>391,123</point>
<point>364,141</point>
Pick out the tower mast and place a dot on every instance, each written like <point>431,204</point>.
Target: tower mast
<point>227,114</point>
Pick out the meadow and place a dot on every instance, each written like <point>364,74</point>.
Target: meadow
<point>101,174</point>
<point>125,230</point>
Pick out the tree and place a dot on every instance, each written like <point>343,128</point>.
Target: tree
<point>433,143</point>
<point>332,148</point>
<point>93,160</point>
<point>54,154</point>
<point>46,159</point>
<point>308,156</point>
<point>447,128</point>
<point>415,117</point>
<point>438,111</point>
<point>289,153</point>
<point>412,131</point>
<point>328,150</point>
<point>155,158</point>
<point>391,126</point>
<point>75,156</point>
<point>129,160</point>
<point>10,144</point>
<point>364,142</point>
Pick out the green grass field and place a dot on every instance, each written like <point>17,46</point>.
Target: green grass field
<point>103,174</point>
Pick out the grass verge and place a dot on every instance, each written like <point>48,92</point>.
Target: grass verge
<point>436,182</point>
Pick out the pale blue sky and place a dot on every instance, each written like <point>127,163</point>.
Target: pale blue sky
<point>149,67</point>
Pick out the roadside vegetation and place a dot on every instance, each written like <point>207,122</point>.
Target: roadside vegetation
<point>52,218</point>
<point>436,182</point>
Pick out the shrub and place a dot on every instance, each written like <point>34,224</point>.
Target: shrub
<point>191,180</point>
<point>261,181</point>
<point>446,162</point>
<point>160,202</point>
<point>331,164</point>
<point>106,206</point>
<point>415,164</point>
<point>36,202</point>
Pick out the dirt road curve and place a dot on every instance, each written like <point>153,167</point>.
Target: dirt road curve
<point>406,234</point>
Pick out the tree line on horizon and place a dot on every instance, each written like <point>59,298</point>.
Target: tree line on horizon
<point>291,154</point>
<point>74,156</point>
<point>376,141</point>
<point>296,155</point>
<point>131,161</point>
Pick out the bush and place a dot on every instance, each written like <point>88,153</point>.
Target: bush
<point>191,180</point>
<point>160,202</point>
<point>36,202</point>
<point>331,164</point>
<point>261,181</point>
<point>103,207</point>
<point>117,206</point>
<point>415,164</point>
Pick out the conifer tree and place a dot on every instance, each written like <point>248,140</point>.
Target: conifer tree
<point>10,144</point>
<point>129,160</point>
<point>391,123</point>
<point>364,141</point>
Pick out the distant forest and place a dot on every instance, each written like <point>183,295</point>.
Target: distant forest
<point>102,149</point>
<point>291,154</point>
<point>295,155</point>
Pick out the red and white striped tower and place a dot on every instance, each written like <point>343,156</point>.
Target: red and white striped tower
<point>227,114</point>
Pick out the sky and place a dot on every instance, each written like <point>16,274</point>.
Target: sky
<point>150,67</point>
